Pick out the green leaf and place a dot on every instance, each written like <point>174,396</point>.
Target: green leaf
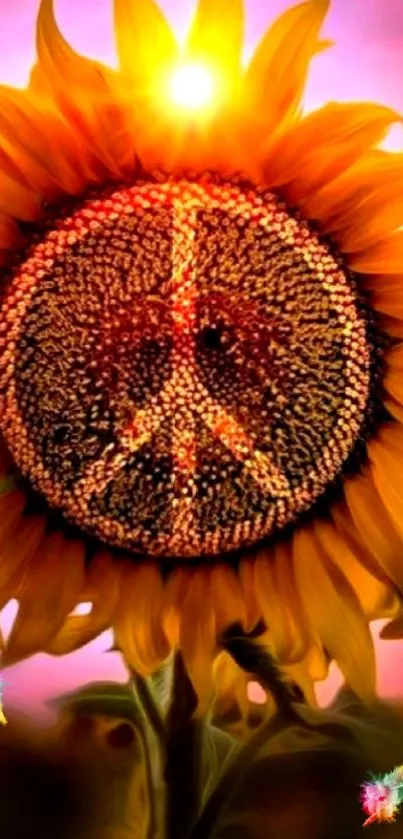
<point>302,777</point>
<point>110,699</point>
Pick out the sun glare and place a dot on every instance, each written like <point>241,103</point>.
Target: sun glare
<point>192,87</point>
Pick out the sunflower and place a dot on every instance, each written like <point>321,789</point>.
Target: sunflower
<point>200,367</point>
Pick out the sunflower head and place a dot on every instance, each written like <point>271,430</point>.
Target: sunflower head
<point>200,316</point>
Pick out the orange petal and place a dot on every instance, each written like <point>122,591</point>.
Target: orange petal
<point>39,146</point>
<point>247,580</point>
<point>276,76</point>
<point>102,589</point>
<point>322,146</point>
<point>17,548</point>
<point>18,200</point>
<point>137,621</point>
<point>10,235</point>
<point>175,590</point>
<point>387,297</point>
<point>280,605</point>
<point>377,599</point>
<point>334,613</point>
<point>226,598</point>
<point>386,257</point>
<point>393,380</point>
<point>48,594</point>
<point>386,457</point>
<point>374,526</point>
<point>197,640</point>
<point>85,93</point>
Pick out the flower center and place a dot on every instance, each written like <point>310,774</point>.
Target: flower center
<point>184,367</point>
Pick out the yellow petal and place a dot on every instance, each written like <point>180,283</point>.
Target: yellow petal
<point>374,526</point>
<point>247,580</point>
<point>276,76</point>
<point>335,613</point>
<point>145,42</point>
<point>48,594</point>
<point>102,589</point>
<point>322,146</point>
<point>280,605</point>
<point>175,590</point>
<point>346,528</point>
<point>206,42</point>
<point>386,257</point>
<point>85,93</point>
<point>377,599</point>
<point>138,618</point>
<point>386,457</point>
<point>197,640</point>
<point>226,598</point>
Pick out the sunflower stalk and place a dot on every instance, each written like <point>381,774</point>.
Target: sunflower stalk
<point>183,757</point>
<point>259,663</point>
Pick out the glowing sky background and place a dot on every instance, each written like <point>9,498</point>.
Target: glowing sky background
<point>366,63</point>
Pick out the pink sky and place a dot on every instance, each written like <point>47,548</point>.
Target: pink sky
<point>366,63</point>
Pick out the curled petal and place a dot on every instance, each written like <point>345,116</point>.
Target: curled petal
<point>20,538</point>
<point>47,595</point>
<point>85,94</point>
<point>276,76</point>
<point>102,589</point>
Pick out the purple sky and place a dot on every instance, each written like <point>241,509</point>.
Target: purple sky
<point>366,63</point>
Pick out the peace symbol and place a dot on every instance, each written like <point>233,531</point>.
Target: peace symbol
<point>192,297</point>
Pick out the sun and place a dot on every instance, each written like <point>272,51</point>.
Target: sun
<point>201,402</point>
<point>192,87</point>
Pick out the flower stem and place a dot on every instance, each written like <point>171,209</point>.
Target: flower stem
<point>183,760</point>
